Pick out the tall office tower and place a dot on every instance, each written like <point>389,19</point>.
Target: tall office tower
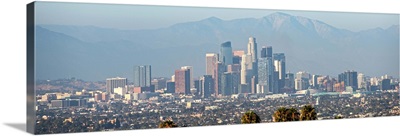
<point>245,69</point>
<point>280,67</point>
<point>226,54</point>
<point>159,83</point>
<point>289,80</point>
<point>265,74</point>
<point>235,82</point>
<point>280,64</point>
<point>349,78</point>
<point>211,63</point>
<point>269,51</point>
<point>142,76</point>
<point>191,75</point>
<point>361,81</point>
<point>385,84</point>
<point>226,84</point>
<point>302,80</point>
<point>197,87</point>
<point>314,80</point>
<point>207,86</point>
<point>252,51</point>
<point>218,76</point>
<point>170,87</point>
<point>237,56</point>
<point>182,81</point>
<point>115,83</point>
<point>263,52</point>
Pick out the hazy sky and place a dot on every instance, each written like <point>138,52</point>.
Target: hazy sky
<point>151,17</point>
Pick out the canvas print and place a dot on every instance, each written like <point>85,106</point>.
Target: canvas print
<point>108,67</point>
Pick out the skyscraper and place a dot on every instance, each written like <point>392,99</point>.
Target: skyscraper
<point>226,84</point>
<point>182,81</point>
<point>289,80</point>
<point>361,81</point>
<point>226,54</point>
<point>218,76</point>
<point>116,82</point>
<point>314,80</point>
<point>252,49</point>
<point>269,51</point>
<point>280,68</point>
<point>302,80</point>
<point>191,75</point>
<point>265,74</point>
<point>237,56</point>
<point>211,63</point>
<point>170,87</point>
<point>142,76</point>
<point>245,69</point>
<point>349,78</point>
<point>207,86</point>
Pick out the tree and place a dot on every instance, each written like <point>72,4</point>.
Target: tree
<point>167,124</point>
<point>293,114</point>
<point>284,114</point>
<point>250,117</point>
<point>307,112</point>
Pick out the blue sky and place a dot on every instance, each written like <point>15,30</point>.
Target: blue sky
<point>152,17</point>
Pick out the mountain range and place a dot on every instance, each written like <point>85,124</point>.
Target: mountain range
<point>95,53</point>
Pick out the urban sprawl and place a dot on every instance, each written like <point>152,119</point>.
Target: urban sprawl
<point>235,83</point>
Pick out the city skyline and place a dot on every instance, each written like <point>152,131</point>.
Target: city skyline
<point>215,67</point>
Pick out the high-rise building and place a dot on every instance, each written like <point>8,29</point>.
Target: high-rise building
<point>252,51</point>
<point>116,82</point>
<point>245,70</point>
<point>182,81</point>
<point>280,64</point>
<point>170,87</point>
<point>237,56</point>
<point>302,80</point>
<point>361,81</point>
<point>349,78</point>
<point>218,76</point>
<point>159,83</point>
<point>142,76</point>
<point>280,68</point>
<point>211,62</point>
<point>235,81</point>
<point>207,86</point>
<point>226,54</point>
<point>385,84</point>
<point>289,80</point>
<point>314,81</point>
<point>263,52</point>
<point>226,84</point>
<point>266,74</point>
<point>191,75</point>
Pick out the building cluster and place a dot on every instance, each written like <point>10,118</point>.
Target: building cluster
<point>238,72</point>
<point>229,73</point>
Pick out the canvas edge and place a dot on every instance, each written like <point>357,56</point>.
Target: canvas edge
<point>30,67</point>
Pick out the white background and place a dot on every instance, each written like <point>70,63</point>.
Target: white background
<point>13,72</point>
